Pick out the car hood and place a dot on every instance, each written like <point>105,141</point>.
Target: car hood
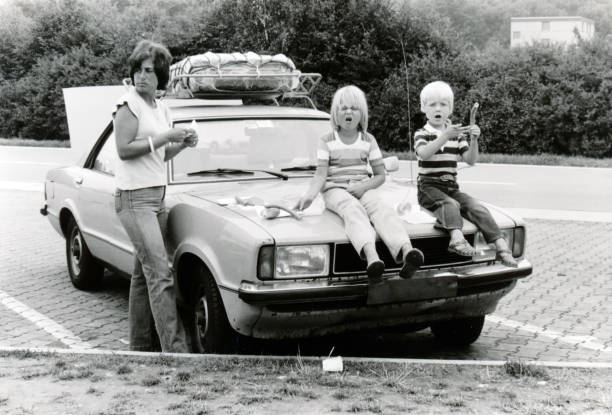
<point>317,224</point>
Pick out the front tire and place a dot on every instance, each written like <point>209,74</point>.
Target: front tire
<point>204,315</point>
<point>459,332</point>
<point>85,271</point>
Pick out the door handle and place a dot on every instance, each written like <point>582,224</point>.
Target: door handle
<point>78,181</point>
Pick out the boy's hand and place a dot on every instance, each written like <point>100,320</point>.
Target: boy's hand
<point>474,131</point>
<point>453,131</point>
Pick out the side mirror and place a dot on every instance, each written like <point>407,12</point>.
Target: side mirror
<point>391,163</point>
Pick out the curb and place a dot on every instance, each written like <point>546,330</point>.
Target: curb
<point>157,355</point>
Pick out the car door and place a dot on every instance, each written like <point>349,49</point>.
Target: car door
<point>101,228</point>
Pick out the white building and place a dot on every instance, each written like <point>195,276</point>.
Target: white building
<point>548,30</point>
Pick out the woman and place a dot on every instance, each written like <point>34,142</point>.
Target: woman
<point>348,190</point>
<point>144,142</point>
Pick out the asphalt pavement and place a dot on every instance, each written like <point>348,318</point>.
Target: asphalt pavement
<point>562,312</point>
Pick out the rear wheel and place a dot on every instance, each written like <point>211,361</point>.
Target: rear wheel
<point>459,332</point>
<point>204,315</point>
<point>85,271</point>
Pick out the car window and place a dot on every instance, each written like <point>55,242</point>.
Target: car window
<point>107,156</point>
<point>249,144</point>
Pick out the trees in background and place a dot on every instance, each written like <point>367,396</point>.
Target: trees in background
<point>533,99</point>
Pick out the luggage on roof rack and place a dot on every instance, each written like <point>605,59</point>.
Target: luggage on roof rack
<point>233,74</point>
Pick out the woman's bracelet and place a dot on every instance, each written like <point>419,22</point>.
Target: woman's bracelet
<point>151,144</point>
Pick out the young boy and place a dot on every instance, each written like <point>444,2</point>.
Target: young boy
<point>438,146</point>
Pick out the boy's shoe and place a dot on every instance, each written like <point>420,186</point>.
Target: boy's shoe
<point>413,261</point>
<point>462,248</point>
<point>375,271</point>
<point>506,258</point>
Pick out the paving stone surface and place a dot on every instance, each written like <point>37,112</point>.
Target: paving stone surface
<point>561,312</point>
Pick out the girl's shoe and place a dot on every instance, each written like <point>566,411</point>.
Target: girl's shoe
<point>375,271</point>
<point>413,261</point>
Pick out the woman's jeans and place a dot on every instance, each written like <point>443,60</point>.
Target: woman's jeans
<point>357,215</point>
<point>152,303</point>
<point>448,204</point>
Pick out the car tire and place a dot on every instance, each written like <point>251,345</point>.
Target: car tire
<point>459,332</point>
<point>204,317</point>
<point>85,271</point>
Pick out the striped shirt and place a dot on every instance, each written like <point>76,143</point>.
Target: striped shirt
<point>347,162</point>
<point>444,161</point>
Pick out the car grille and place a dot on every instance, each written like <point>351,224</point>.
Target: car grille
<point>347,261</point>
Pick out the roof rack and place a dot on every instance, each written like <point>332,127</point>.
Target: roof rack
<point>294,85</point>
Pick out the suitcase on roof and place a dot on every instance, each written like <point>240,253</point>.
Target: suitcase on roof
<point>212,73</point>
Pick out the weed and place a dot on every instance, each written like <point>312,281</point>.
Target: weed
<point>249,400</point>
<point>520,369</point>
<point>150,381</point>
<point>200,395</point>
<point>77,373</point>
<point>3,401</point>
<point>340,395</point>
<point>124,370</point>
<point>365,407</point>
<point>93,391</point>
<point>177,388</point>
<point>183,376</point>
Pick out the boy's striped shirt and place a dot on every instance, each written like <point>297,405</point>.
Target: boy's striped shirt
<point>444,161</point>
<point>347,162</point>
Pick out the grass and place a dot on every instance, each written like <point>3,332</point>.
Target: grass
<point>210,385</point>
<point>28,142</point>
<point>535,159</point>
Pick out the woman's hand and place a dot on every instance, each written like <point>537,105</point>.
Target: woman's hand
<point>182,135</point>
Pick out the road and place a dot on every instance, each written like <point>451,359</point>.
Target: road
<point>522,187</point>
<point>560,313</point>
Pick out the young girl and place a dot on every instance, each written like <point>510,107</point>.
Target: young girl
<point>348,190</point>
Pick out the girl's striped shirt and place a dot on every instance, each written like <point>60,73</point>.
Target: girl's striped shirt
<point>347,162</point>
<point>444,161</point>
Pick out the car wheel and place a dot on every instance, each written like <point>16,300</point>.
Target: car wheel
<point>85,271</point>
<point>459,332</point>
<point>204,317</point>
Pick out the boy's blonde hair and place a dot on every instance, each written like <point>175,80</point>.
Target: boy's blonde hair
<point>437,89</point>
<point>352,96</point>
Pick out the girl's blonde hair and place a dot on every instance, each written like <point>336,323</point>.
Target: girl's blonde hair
<point>352,96</point>
<point>437,89</point>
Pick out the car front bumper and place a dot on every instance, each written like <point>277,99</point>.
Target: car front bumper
<point>426,285</point>
<point>315,308</point>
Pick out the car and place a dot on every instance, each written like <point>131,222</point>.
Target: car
<point>246,264</point>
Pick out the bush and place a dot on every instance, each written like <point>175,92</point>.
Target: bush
<point>532,100</point>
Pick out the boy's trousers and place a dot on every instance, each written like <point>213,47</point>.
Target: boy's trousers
<point>449,205</point>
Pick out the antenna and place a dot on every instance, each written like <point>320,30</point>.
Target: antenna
<point>408,104</point>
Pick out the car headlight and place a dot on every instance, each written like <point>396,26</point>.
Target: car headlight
<point>515,237</point>
<point>296,261</point>
<point>518,244</point>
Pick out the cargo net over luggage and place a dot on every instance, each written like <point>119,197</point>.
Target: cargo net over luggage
<point>238,74</point>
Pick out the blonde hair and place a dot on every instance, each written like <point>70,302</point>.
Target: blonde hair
<point>352,96</point>
<point>437,89</point>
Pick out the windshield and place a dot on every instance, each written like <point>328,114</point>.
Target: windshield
<point>240,149</point>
